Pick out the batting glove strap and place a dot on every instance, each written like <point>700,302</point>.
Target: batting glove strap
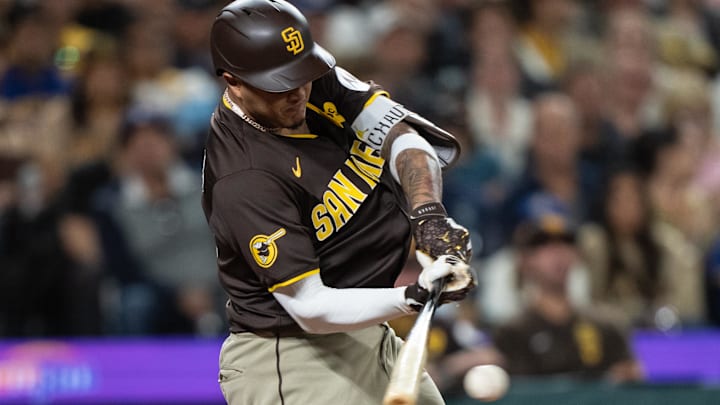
<point>458,275</point>
<point>416,296</point>
<point>427,211</point>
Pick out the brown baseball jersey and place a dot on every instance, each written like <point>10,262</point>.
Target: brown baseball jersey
<point>584,345</point>
<point>284,207</point>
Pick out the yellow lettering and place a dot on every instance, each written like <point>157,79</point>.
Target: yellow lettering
<point>372,171</point>
<point>366,153</point>
<point>343,198</point>
<point>338,211</point>
<point>347,191</point>
<point>353,166</point>
<point>321,222</point>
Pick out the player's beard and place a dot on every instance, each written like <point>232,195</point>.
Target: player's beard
<point>287,124</point>
<point>279,124</point>
<point>292,122</point>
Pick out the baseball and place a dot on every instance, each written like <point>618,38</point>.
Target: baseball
<point>486,383</point>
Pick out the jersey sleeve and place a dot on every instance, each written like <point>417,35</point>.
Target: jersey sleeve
<point>342,96</point>
<point>257,215</point>
<point>370,112</point>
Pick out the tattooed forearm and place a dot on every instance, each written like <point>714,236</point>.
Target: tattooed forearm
<point>420,177</point>
<point>419,174</point>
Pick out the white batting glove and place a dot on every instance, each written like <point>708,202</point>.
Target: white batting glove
<point>459,280</point>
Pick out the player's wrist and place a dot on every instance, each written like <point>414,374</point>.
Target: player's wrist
<point>425,211</point>
<point>415,297</point>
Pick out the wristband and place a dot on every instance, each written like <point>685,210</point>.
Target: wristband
<point>427,211</point>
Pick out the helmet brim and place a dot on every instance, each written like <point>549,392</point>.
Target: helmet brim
<point>304,69</point>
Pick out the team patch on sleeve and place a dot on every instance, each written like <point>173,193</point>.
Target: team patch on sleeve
<point>263,248</point>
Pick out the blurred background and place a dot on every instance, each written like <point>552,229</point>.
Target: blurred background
<point>590,181</point>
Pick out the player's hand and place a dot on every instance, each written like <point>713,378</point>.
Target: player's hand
<point>458,275</point>
<point>436,234</point>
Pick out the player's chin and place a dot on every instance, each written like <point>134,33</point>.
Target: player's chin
<point>297,124</point>
<point>294,121</point>
<point>294,116</point>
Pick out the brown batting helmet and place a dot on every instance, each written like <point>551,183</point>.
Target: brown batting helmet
<point>267,44</point>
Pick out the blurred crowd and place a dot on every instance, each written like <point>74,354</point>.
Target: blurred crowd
<point>590,175</point>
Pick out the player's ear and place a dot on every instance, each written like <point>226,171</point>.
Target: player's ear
<point>230,79</point>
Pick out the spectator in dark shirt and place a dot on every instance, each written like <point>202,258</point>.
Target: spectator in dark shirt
<point>551,337</point>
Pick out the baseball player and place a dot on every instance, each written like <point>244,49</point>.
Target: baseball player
<point>314,184</point>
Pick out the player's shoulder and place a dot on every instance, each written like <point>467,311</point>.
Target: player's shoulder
<point>341,96</point>
<point>227,147</point>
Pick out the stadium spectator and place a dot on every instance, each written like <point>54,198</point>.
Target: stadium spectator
<point>551,336</point>
<point>554,164</point>
<point>31,46</point>
<point>542,43</point>
<point>644,270</point>
<point>692,181</point>
<point>632,107</point>
<point>152,207</point>
<point>99,101</point>
<point>583,83</point>
<point>399,56</point>
<point>501,294</point>
<point>686,35</point>
<point>492,27</point>
<point>187,96</point>
<point>500,119</point>
<point>500,122</point>
<point>191,34</point>
<point>49,267</point>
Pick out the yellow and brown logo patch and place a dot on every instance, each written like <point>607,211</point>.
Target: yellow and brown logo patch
<point>294,39</point>
<point>263,248</point>
<point>331,112</point>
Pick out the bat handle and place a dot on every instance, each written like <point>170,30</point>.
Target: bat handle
<point>438,286</point>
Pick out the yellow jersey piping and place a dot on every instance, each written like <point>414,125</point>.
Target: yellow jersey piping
<point>293,280</point>
<point>376,95</point>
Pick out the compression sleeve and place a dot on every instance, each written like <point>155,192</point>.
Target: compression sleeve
<point>320,309</point>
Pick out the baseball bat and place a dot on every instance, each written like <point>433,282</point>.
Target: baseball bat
<point>405,378</point>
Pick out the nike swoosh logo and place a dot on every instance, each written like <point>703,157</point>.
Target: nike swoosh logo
<point>297,170</point>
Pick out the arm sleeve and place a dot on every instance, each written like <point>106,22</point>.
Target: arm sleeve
<point>258,216</point>
<point>318,308</point>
